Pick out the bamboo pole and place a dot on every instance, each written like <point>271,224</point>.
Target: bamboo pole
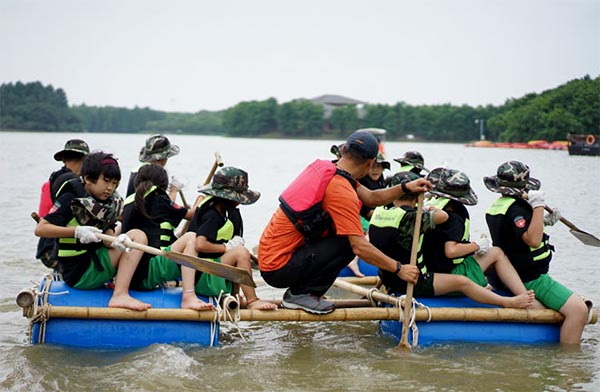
<point>356,289</point>
<point>541,316</point>
<point>364,281</point>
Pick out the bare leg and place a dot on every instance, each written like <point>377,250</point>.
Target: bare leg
<point>575,312</point>
<point>240,257</point>
<point>446,283</point>
<point>126,263</point>
<point>189,299</point>
<point>496,258</point>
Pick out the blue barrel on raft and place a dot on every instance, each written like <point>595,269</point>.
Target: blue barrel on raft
<point>119,334</point>
<point>486,332</point>
<point>365,268</point>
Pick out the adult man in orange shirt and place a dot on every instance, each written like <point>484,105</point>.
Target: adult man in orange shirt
<point>308,269</point>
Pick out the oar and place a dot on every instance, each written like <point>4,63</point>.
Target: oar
<point>413,261</point>
<point>583,236</point>
<point>234,274</point>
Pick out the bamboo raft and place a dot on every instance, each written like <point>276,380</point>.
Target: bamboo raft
<point>61,315</point>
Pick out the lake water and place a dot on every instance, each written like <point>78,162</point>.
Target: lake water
<point>293,356</point>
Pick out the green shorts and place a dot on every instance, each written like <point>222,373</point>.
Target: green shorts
<point>92,278</point>
<point>160,270</point>
<point>211,286</point>
<point>472,270</point>
<point>549,292</point>
<point>365,224</point>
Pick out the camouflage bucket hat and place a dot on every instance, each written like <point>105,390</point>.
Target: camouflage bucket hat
<point>412,158</point>
<point>336,150</point>
<point>512,178</point>
<point>74,145</point>
<point>101,214</point>
<point>381,160</point>
<point>403,176</point>
<point>452,184</point>
<point>157,147</point>
<point>231,183</point>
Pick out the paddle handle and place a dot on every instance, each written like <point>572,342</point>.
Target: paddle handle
<point>132,245</point>
<point>413,261</point>
<point>217,163</point>
<point>564,220</point>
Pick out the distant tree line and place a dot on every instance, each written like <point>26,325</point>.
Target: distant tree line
<point>572,107</point>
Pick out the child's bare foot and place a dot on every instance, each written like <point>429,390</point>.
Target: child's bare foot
<point>258,304</point>
<point>128,302</point>
<point>354,268</point>
<point>521,301</point>
<point>191,301</point>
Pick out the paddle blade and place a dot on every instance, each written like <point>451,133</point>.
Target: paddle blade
<point>586,238</point>
<point>234,274</point>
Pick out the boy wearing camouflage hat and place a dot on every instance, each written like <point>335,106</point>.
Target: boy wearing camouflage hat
<point>157,150</point>
<point>218,228</point>
<point>449,249</point>
<point>89,207</point>
<point>517,224</point>
<point>391,231</point>
<point>412,161</point>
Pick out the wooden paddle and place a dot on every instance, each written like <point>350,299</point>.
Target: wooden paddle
<point>413,261</point>
<point>234,274</point>
<point>583,236</point>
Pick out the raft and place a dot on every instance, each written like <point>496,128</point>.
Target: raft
<point>64,316</point>
<point>472,330</point>
<point>91,332</point>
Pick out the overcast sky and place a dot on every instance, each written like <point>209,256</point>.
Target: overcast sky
<point>193,55</point>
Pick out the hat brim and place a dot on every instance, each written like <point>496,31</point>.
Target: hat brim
<point>247,197</point>
<point>468,200</point>
<point>59,155</point>
<point>491,183</point>
<point>145,157</point>
<point>407,163</point>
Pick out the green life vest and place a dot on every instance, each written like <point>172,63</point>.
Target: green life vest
<point>500,207</point>
<point>391,218</point>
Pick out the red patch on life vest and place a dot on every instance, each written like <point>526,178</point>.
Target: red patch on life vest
<point>55,207</point>
<point>520,222</point>
<point>176,205</point>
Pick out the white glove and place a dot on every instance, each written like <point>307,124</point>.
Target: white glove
<point>234,243</point>
<point>536,198</point>
<point>483,243</point>
<point>119,243</point>
<point>550,219</point>
<point>176,183</point>
<point>85,234</point>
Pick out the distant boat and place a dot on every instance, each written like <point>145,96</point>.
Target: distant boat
<point>581,144</point>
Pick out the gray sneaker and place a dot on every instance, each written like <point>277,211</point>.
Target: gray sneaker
<point>308,303</point>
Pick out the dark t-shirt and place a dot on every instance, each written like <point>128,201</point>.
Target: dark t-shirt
<point>207,223</point>
<point>162,209</point>
<point>434,242</point>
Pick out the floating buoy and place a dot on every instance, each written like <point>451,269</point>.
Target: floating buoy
<point>590,139</point>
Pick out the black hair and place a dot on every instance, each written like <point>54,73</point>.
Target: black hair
<point>148,176</point>
<point>100,163</point>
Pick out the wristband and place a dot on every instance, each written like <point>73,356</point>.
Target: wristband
<point>405,188</point>
<point>398,267</point>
